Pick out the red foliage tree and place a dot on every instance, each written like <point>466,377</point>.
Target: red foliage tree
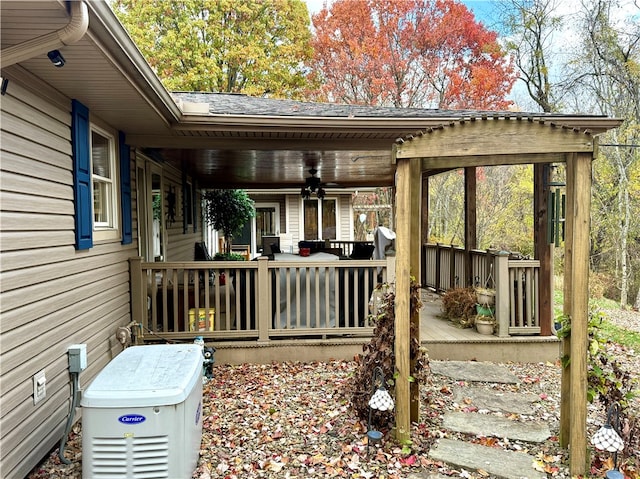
<point>409,53</point>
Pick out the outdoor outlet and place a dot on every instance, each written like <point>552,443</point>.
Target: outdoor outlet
<point>77,357</point>
<point>39,387</point>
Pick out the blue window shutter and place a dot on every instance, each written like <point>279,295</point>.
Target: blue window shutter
<point>125,189</point>
<point>81,151</point>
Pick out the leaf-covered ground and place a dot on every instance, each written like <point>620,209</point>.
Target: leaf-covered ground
<point>293,420</point>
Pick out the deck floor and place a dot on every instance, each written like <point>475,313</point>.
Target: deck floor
<point>443,340</point>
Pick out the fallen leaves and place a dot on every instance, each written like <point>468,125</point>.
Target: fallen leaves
<point>293,421</point>
<point>290,418</point>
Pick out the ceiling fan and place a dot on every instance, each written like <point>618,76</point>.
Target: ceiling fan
<point>312,185</point>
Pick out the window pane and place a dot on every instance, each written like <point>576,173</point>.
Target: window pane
<point>265,223</point>
<point>310,219</point>
<point>100,156</point>
<point>328,219</point>
<point>101,204</point>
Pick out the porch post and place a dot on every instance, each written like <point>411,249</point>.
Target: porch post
<point>402,303</point>
<point>543,250</point>
<point>579,307</point>
<point>470,222</point>
<point>415,269</point>
<point>263,311</point>
<point>565,386</point>
<point>424,210</point>
<point>503,292</point>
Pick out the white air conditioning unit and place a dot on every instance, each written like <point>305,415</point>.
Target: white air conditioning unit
<point>142,415</point>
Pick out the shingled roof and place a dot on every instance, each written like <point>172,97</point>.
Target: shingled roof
<point>239,104</point>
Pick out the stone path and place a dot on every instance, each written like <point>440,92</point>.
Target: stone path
<point>499,463</point>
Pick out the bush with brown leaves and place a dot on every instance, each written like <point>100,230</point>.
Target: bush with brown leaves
<point>380,352</point>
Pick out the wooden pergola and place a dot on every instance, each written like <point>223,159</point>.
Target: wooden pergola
<point>504,140</point>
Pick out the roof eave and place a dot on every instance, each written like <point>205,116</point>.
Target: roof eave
<point>112,34</point>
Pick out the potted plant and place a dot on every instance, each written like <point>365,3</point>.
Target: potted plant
<point>486,296</point>
<point>228,211</point>
<point>485,324</point>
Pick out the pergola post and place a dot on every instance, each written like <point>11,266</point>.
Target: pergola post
<point>543,250</point>
<point>415,271</point>
<point>402,303</point>
<point>579,177</point>
<point>470,221</point>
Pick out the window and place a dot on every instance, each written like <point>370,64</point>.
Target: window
<point>320,219</point>
<point>95,181</point>
<point>103,174</point>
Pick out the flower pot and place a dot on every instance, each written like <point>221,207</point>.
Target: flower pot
<point>484,326</point>
<point>486,297</point>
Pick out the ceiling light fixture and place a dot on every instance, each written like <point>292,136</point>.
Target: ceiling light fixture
<point>56,58</point>
<point>312,185</point>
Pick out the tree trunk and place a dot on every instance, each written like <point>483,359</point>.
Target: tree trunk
<point>625,218</point>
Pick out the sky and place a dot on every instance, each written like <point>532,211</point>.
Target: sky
<point>480,8</point>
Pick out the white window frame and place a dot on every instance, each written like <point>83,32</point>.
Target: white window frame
<point>109,229</point>
<point>302,222</point>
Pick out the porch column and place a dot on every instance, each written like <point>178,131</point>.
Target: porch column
<point>263,311</point>
<point>415,270</point>
<point>470,222</point>
<point>543,250</point>
<point>579,176</point>
<point>402,303</point>
<point>424,208</point>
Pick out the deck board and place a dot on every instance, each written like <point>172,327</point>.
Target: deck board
<point>443,340</point>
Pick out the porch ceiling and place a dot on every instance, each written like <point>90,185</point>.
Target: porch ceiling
<point>236,141</point>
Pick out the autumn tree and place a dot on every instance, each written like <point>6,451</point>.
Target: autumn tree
<point>409,53</point>
<point>257,48</point>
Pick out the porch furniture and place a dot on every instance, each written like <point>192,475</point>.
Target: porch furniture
<point>270,245</point>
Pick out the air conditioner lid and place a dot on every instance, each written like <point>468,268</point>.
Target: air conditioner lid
<point>143,376</point>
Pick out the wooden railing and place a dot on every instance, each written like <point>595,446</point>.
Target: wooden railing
<point>255,300</point>
<point>515,281</point>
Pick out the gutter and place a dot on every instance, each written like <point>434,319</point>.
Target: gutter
<point>68,35</point>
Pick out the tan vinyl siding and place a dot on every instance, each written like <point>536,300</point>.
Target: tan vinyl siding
<point>294,219</point>
<point>344,217</point>
<point>180,245</point>
<point>51,296</point>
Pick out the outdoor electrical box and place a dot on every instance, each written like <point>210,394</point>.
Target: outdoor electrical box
<point>142,414</point>
<point>77,357</point>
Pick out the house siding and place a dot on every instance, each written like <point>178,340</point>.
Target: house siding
<point>51,296</point>
<point>180,245</point>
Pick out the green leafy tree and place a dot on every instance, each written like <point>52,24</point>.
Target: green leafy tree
<point>252,47</point>
<point>530,26</point>
<point>607,71</point>
<point>228,211</point>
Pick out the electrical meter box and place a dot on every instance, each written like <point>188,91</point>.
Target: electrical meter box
<point>142,414</point>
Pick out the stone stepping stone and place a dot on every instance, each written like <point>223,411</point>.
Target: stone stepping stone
<point>492,400</point>
<point>488,425</point>
<point>497,462</point>
<point>473,371</point>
